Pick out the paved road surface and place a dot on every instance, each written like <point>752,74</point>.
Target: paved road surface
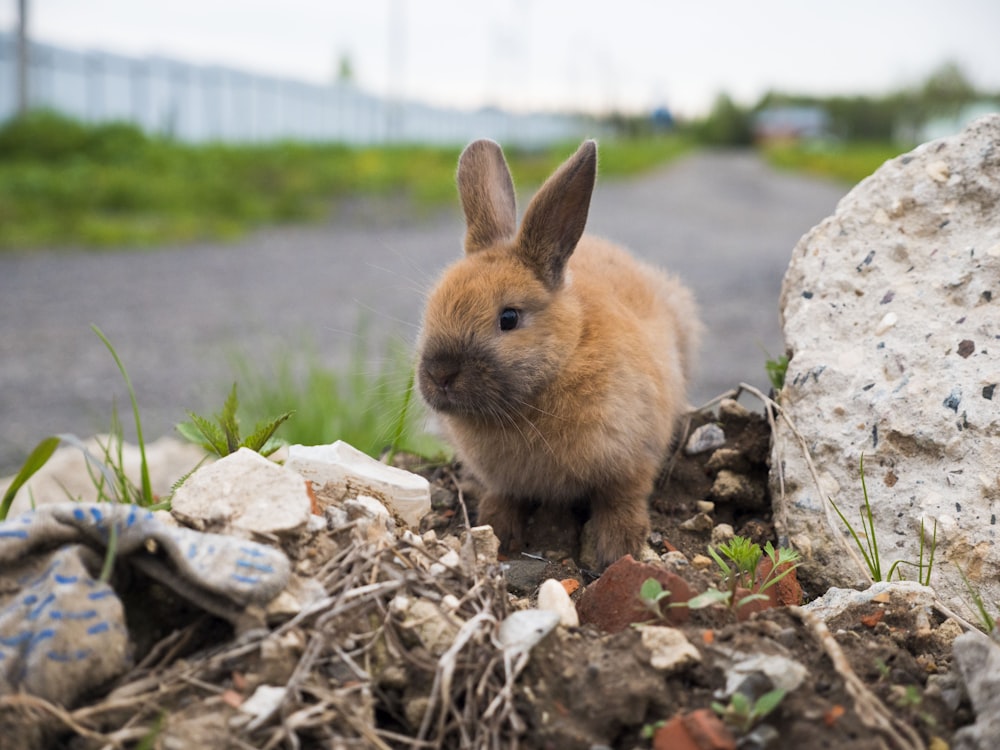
<point>724,222</point>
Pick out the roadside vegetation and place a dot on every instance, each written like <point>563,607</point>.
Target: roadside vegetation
<point>68,184</point>
<point>847,162</point>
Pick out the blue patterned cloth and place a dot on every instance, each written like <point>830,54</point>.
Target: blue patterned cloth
<point>62,630</point>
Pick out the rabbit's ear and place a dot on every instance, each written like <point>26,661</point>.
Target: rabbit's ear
<point>487,194</point>
<point>556,216</point>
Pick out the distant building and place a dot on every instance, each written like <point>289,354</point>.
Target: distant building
<point>940,127</point>
<point>790,124</point>
<point>663,119</point>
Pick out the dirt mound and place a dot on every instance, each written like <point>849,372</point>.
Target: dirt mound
<point>401,644</point>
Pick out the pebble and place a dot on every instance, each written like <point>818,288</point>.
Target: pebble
<point>700,522</point>
<point>701,562</point>
<point>675,558</point>
<point>485,544</point>
<point>552,597</point>
<point>670,651</point>
<point>722,533</point>
<point>706,438</point>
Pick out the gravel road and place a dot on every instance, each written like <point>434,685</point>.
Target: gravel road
<point>724,222</point>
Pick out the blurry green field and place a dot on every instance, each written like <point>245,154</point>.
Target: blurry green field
<point>850,162</point>
<point>65,184</point>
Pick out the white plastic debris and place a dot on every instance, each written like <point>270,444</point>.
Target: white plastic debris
<point>523,630</point>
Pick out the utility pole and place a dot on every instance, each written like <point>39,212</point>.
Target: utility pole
<point>22,57</point>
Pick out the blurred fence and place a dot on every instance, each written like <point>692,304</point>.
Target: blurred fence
<point>209,103</point>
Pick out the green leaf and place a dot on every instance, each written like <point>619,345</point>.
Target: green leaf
<point>768,702</point>
<point>212,437</point>
<point>35,460</point>
<point>651,589</point>
<point>707,598</point>
<point>263,432</point>
<point>229,423</point>
<point>751,598</point>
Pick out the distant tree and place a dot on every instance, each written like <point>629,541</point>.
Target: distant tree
<point>947,90</point>
<point>727,124</point>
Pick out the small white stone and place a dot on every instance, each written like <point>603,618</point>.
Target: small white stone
<point>888,321</point>
<point>722,533</point>
<point>552,597</point>
<point>675,558</point>
<point>485,544</point>
<point>785,673</point>
<point>706,438</point>
<point>669,650</point>
<point>938,171</point>
<point>412,539</point>
<point>399,604</point>
<point>266,700</point>
<point>451,559</point>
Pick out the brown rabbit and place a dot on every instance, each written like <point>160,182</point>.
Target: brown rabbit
<point>557,363</point>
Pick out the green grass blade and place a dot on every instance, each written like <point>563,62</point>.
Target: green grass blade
<point>930,561</point>
<point>400,427</point>
<point>857,541</point>
<point>870,535</point>
<point>147,488</point>
<point>35,461</point>
<point>40,456</point>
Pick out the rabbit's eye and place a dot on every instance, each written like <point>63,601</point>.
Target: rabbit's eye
<point>508,319</point>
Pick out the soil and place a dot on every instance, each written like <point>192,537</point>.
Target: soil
<point>379,671</point>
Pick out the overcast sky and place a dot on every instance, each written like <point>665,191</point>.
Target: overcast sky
<point>550,54</point>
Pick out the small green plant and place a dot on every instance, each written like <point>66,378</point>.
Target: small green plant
<point>107,471</point>
<point>909,698</point>
<point>869,548</point>
<point>372,407</point>
<point>743,714</point>
<point>145,496</point>
<point>222,436</point>
<point>652,593</point>
<point>739,563</point>
<point>648,731</point>
<point>776,370</point>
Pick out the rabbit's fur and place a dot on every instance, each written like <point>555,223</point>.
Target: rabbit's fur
<point>575,395</point>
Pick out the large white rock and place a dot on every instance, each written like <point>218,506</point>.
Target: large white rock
<point>891,314</point>
<point>244,492</point>
<point>340,471</point>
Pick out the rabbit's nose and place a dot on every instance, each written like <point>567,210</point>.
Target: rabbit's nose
<point>442,373</point>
